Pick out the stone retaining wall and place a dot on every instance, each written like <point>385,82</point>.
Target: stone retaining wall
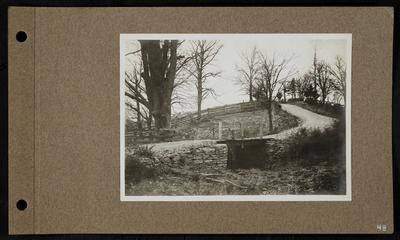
<point>214,155</point>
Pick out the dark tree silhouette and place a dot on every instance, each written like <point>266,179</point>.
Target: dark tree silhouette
<point>159,71</point>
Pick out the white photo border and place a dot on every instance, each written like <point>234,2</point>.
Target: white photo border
<point>249,198</point>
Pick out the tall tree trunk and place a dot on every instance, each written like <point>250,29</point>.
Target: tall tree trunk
<point>162,118</point>
<point>270,126</point>
<point>251,92</point>
<point>268,94</point>
<point>199,94</point>
<point>139,116</point>
<point>315,83</point>
<point>323,96</point>
<point>159,71</point>
<point>199,108</point>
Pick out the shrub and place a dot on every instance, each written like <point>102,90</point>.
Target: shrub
<point>140,164</point>
<point>311,146</point>
<point>310,100</point>
<point>295,100</point>
<point>137,170</point>
<point>144,151</point>
<point>332,181</point>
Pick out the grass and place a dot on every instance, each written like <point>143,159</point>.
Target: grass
<point>288,180</point>
<point>251,122</point>
<point>144,151</point>
<point>283,120</point>
<point>324,148</point>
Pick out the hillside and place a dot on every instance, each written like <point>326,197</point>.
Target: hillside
<point>237,120</point>
<point>249,123</point>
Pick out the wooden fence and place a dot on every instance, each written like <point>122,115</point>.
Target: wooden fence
<point>216,130</point>
<point>218,111</point>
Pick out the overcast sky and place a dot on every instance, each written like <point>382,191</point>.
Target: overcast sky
<point>298,47</point>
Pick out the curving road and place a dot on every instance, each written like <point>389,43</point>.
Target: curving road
<point>308,119</point>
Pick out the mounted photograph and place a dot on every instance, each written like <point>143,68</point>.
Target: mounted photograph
<point>235,117</point>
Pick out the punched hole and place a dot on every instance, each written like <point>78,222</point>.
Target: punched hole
<point>22,205</point>
<point>21,36</point>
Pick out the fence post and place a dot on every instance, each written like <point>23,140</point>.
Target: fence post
<point>242,129</point>
<point>220,130</point>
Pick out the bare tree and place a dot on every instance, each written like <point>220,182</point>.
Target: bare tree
<point>321,74</point>
<point>155,80</point>
<point>132,82</point>
<point>136,92</point>
<point>339,77</point>
<point>143,114</point>
<point>161,64</point>
<point>324,80</point>
<point>248,71</point>
<point>203,54</point>
<point>273,73</point>
<point>180,93</point>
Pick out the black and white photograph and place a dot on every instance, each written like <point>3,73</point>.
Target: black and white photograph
<point>235,117</point>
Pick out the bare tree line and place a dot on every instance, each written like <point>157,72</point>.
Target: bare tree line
<point>317,84</point>
<point>262,75</point>
<point>164,71</point>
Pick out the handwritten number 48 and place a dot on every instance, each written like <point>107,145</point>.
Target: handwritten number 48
<point>381,227</point>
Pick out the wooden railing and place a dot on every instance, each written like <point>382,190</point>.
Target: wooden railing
<point>218,111</point>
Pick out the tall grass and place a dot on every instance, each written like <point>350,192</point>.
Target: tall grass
<point>144,151</point>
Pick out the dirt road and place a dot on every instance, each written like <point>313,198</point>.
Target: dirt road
<point>308,119</point>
